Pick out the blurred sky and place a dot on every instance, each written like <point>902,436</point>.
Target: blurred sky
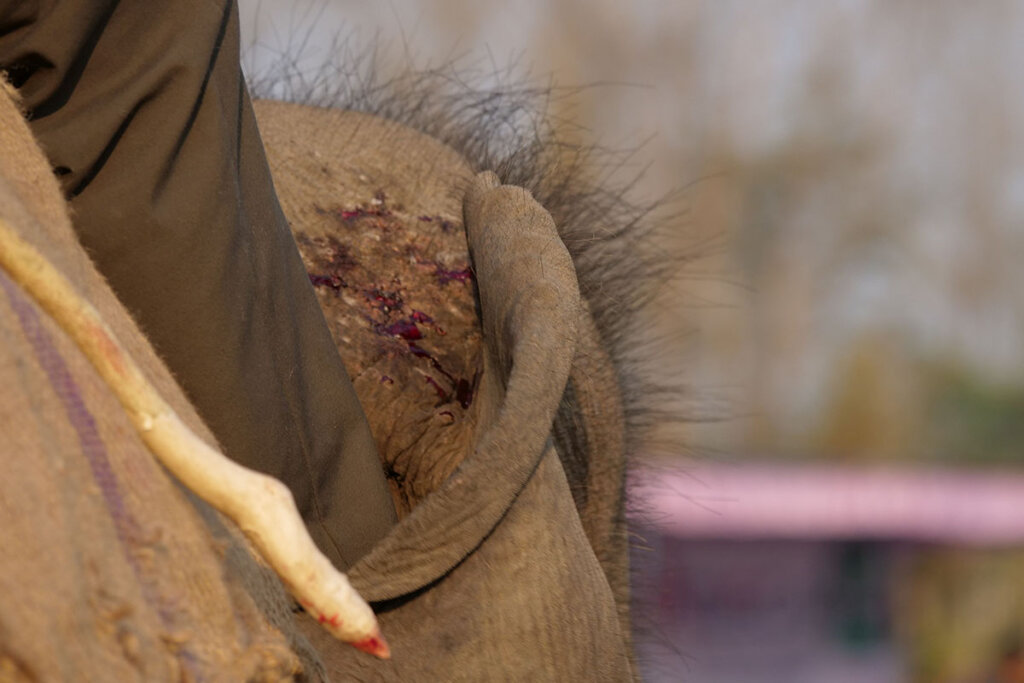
<point>855,166</point>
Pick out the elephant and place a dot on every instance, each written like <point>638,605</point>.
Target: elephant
<point>485,334</point>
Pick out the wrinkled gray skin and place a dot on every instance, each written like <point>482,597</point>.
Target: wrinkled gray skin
<point>492,571</point>
<point>509,561</point>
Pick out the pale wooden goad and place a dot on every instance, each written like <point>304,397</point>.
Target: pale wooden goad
<point>261,506</point>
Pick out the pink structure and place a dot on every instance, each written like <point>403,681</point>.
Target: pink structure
<point>747,501</point>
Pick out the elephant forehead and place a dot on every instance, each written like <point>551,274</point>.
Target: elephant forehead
<point>376,210</point>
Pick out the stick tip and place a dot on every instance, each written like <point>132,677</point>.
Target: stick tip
<point>374,645</point>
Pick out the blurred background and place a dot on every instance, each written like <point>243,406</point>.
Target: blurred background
<point>848,501</point>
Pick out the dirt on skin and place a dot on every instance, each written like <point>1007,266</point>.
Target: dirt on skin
<point>397,291</point>
<point>380,229</point>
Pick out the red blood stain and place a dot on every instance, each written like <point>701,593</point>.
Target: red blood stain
<point>420,317</point>
<point>374,645</point>
<point>349,215</point>
<point>331,260</point>
<point>383,300</point>
<point>405,329</point>
<point>463,388</point>
<point>422,353</point>
<point>445,276</point>
<point>408,329</point>
<point>442,394</point>
<point>331,281</point>
<point>334,620</point>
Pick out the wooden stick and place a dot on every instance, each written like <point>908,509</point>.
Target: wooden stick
<point>261,506</point>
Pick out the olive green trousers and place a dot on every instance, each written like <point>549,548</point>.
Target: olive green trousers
<point>143,111</point>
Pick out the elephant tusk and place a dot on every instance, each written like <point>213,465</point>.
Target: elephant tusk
<point>261,506</point>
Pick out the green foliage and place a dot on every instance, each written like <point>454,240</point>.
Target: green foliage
<point>974,421</point>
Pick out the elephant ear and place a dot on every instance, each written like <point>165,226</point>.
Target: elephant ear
<point>530,307</point>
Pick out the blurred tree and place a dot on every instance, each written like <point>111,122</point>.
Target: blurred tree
<point>956,612</point>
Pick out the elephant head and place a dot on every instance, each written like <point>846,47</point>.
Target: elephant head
<point>483,340</point>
